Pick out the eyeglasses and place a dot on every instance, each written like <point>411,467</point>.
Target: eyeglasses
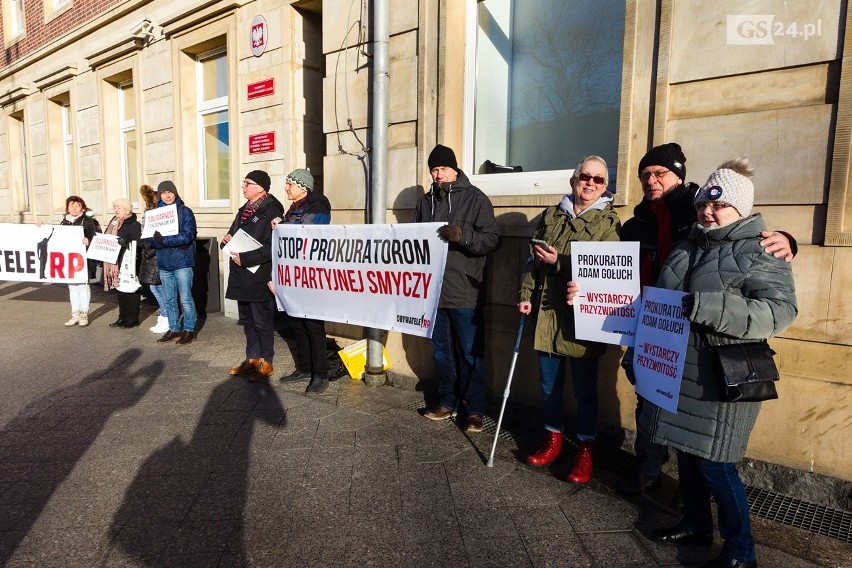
<point>247,182</point>
<point>599,180</point>
<point>657,174</point>
<point>714,205</point>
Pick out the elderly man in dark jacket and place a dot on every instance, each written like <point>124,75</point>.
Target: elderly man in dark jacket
<point>250,273</point>
<point>176,261</point>
<point>472,234</point>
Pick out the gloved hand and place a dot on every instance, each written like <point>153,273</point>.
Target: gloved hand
<point>450,233</point>
<point>121,242</point>
<point>158,237</point>
<point>688,303</point>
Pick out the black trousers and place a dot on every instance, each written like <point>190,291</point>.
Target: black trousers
<point>309,339</point>
<point>257,319</point>
<point>650,457</point>
<point>128,305</point>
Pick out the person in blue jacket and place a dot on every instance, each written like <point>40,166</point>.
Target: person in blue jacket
<point>176,261</point>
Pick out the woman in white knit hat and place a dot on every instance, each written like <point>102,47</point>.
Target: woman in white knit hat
<point>736,293</point>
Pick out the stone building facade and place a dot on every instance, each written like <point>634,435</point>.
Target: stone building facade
<point>99,96</point>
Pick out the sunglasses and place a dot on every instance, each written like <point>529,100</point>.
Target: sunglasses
<point>599,180</point>
<point>657,174</point>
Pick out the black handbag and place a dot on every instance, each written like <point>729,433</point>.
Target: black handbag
<point>748,372</point>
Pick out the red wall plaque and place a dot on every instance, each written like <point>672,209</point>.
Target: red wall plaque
<point>261,89</point>
<point>260,143</point>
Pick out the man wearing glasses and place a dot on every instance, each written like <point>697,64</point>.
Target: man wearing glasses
<point>250,273</point>
<point>660,222</point>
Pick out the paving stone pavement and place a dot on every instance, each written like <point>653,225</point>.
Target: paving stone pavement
<point>119,451</point>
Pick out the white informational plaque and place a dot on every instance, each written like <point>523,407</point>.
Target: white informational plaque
<point>162,219</point>
<point>607,306</point>
<point>661,338</point>
<point>103,247</point>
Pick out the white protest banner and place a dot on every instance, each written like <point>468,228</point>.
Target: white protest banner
<point>658,355</point>
<point>607,305</point>
<point>43,254</point>
<point>242,242</point>
<point>380,276</point>
<point>162,219</point>
<point>104,247</point>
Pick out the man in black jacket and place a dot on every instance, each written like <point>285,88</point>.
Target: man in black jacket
<point>472,234</point>
<point>250,273</point>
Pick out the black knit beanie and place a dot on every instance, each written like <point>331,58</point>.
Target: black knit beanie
<point>261,178</point>
<point>443,156</point>
<point>669,156</point>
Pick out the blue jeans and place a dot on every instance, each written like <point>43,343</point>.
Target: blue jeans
<point>458,342</point>
<point>584,378</point>
<point>178,283</point>
<point>157,292</point>
<point>699,479</point>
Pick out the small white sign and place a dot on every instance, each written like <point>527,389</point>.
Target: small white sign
<point>242,242</point>
<point>162,219</point>
<point>661,338</point>
<point>607,305</point>
<point>103,247</point>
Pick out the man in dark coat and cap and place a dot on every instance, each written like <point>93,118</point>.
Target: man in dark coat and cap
<point>471,232</point>
<point>250,273</point>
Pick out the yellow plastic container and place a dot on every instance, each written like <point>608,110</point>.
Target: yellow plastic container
<point>354,358</point>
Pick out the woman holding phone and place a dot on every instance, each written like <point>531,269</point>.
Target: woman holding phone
<point>585,214</point>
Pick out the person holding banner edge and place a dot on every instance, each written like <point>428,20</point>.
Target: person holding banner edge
<point>250,289</point>
<point>586,214</point>
<point>307,208</point>
<point>77,214</point>
<point>735,294</point>
<point>661,221</point>
<point>471,232</point>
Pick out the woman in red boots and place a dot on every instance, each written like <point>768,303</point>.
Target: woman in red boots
<point>586,214</point>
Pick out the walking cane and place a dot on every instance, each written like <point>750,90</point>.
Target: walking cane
<point>508,386</point>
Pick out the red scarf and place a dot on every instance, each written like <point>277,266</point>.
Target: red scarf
<point>251,208</point>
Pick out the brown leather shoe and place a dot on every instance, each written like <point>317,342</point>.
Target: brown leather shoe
<point>263,370</point>
<point>187,337</point>
<point>169,336</point>
<point>246,366</point>
<point>440,412</point>
<point>474,423</point>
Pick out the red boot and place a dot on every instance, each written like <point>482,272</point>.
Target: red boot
<point>550,451</point>
<point>581,472</point>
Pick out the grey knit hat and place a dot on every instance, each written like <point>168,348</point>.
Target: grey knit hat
<point>303,178</point>
<point>728,186</point>
<point>167,185</point>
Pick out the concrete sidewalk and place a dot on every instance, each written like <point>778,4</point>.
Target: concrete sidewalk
<point>118,451</point>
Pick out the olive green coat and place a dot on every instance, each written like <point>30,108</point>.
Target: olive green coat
<point>545,284</point>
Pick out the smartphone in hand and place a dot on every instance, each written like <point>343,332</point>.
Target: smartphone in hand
<point>541,243</point>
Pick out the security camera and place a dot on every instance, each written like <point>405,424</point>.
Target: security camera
<point>142,27</point>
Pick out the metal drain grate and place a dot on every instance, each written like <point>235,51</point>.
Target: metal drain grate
<point>800,514</point>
